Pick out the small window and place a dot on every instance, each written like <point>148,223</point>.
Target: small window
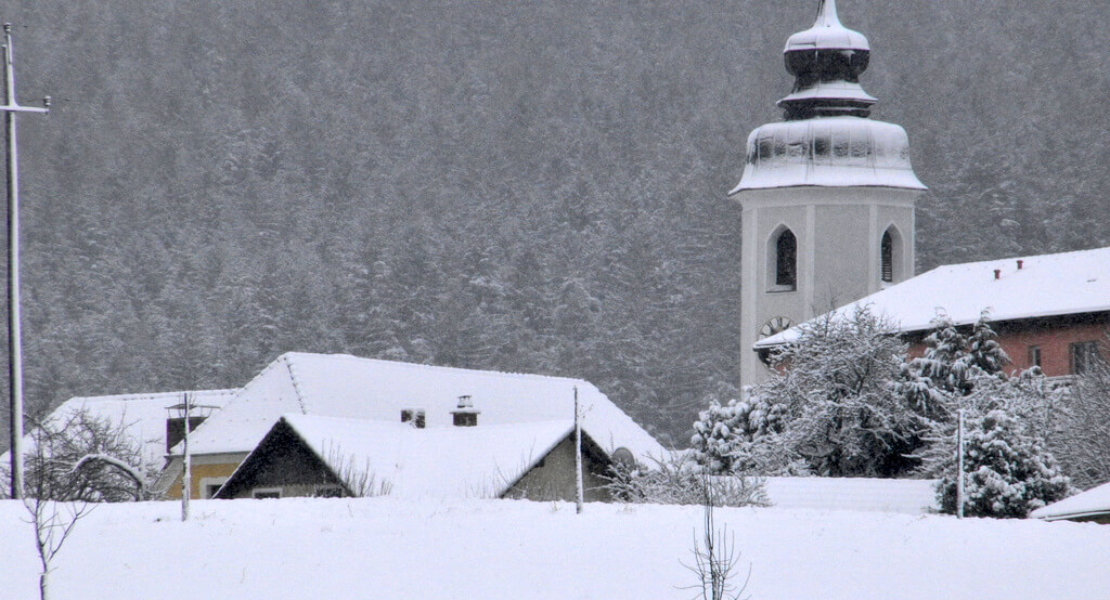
<point>1084,356</point>
<point>786,260</point>
<point>1035,356</point>
<point>886,252</point>
<point>261,493</point>
<point>210,485</point>
<point>328,491</point>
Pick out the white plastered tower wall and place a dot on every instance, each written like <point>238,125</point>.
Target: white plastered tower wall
<point>836,179</point>
<point>839,233</point>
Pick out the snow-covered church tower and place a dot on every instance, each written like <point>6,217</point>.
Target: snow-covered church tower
<point>827,194</point>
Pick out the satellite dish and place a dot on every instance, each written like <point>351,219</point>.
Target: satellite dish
<point>623,457</point>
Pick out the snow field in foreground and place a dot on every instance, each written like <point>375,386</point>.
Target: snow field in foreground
<point>385,548</point>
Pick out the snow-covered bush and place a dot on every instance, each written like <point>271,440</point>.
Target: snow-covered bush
<point>830,407</point>
<point>680,480</point>
<point>730,438</point>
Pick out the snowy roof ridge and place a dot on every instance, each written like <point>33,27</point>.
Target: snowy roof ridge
<point>1009,289</point>
<point>150,395</point>
<point>412,365</point>
<point>298,389</point>
<point>266,370</point>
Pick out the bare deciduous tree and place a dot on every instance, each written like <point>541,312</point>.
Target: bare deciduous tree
<point>1082,438</point>
<point>85,457</point>
<point>715,554</point>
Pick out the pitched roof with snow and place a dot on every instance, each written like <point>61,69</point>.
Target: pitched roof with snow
<point>143,415</point>
<point>1093,502</point>
<point>441,462</point>
<point>338,385</point>
<point>1042,286</point>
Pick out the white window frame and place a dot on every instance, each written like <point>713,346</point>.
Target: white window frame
<point>265,490</point>
<point>206,482</point>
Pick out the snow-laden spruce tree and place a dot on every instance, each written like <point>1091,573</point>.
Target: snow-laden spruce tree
<point>830,408</point>
<point>1009,469</point>
<point>736,437</point>
<point>952,363</point>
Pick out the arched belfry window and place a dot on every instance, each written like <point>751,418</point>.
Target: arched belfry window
<point>786,260</point>
<point>891,256</point>
<point>886,257</point>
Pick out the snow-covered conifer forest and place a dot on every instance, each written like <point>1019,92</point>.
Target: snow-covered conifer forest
<point>516,186</point>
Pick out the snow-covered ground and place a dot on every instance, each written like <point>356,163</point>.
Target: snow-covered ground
<point>480,549</point>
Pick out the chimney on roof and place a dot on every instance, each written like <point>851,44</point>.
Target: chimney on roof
<point>998,273</point>
<point>1020,263</point>
<point>465,415</point>
<point>413,416</point>
<point>175,429</point>
<point>175,422</point>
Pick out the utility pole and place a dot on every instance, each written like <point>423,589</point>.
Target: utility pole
<point>578,487</point>
<point>15,349</point>
<point>186,461</point>
<point>960,492</point>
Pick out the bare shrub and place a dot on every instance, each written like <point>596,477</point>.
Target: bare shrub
<point>359,479</point>
<point>677,479</point>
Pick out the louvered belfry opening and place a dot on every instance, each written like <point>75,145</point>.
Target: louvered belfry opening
<point>886,252</point>
<point>786,259</point>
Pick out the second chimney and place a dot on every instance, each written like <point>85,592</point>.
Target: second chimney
<point>465,414</point>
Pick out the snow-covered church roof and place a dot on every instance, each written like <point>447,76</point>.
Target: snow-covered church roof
<point>438,462</point>
<point>339,385</point>
<point>1010,289</point>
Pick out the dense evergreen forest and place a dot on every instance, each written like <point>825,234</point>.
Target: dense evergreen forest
<point>523,186</point>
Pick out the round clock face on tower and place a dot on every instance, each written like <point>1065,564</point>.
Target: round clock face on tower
<point>773,326</point>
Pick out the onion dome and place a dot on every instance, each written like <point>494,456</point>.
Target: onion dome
<point>827,60</point>
<point>826,138</point>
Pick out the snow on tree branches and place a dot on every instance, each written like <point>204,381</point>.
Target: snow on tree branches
<point>845,400</point>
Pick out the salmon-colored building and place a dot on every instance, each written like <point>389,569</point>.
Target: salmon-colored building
<point>1049,310</point>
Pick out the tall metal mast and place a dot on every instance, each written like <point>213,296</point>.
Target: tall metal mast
<point>15,350</point>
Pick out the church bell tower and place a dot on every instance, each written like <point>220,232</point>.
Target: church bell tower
<point>827,193</point>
